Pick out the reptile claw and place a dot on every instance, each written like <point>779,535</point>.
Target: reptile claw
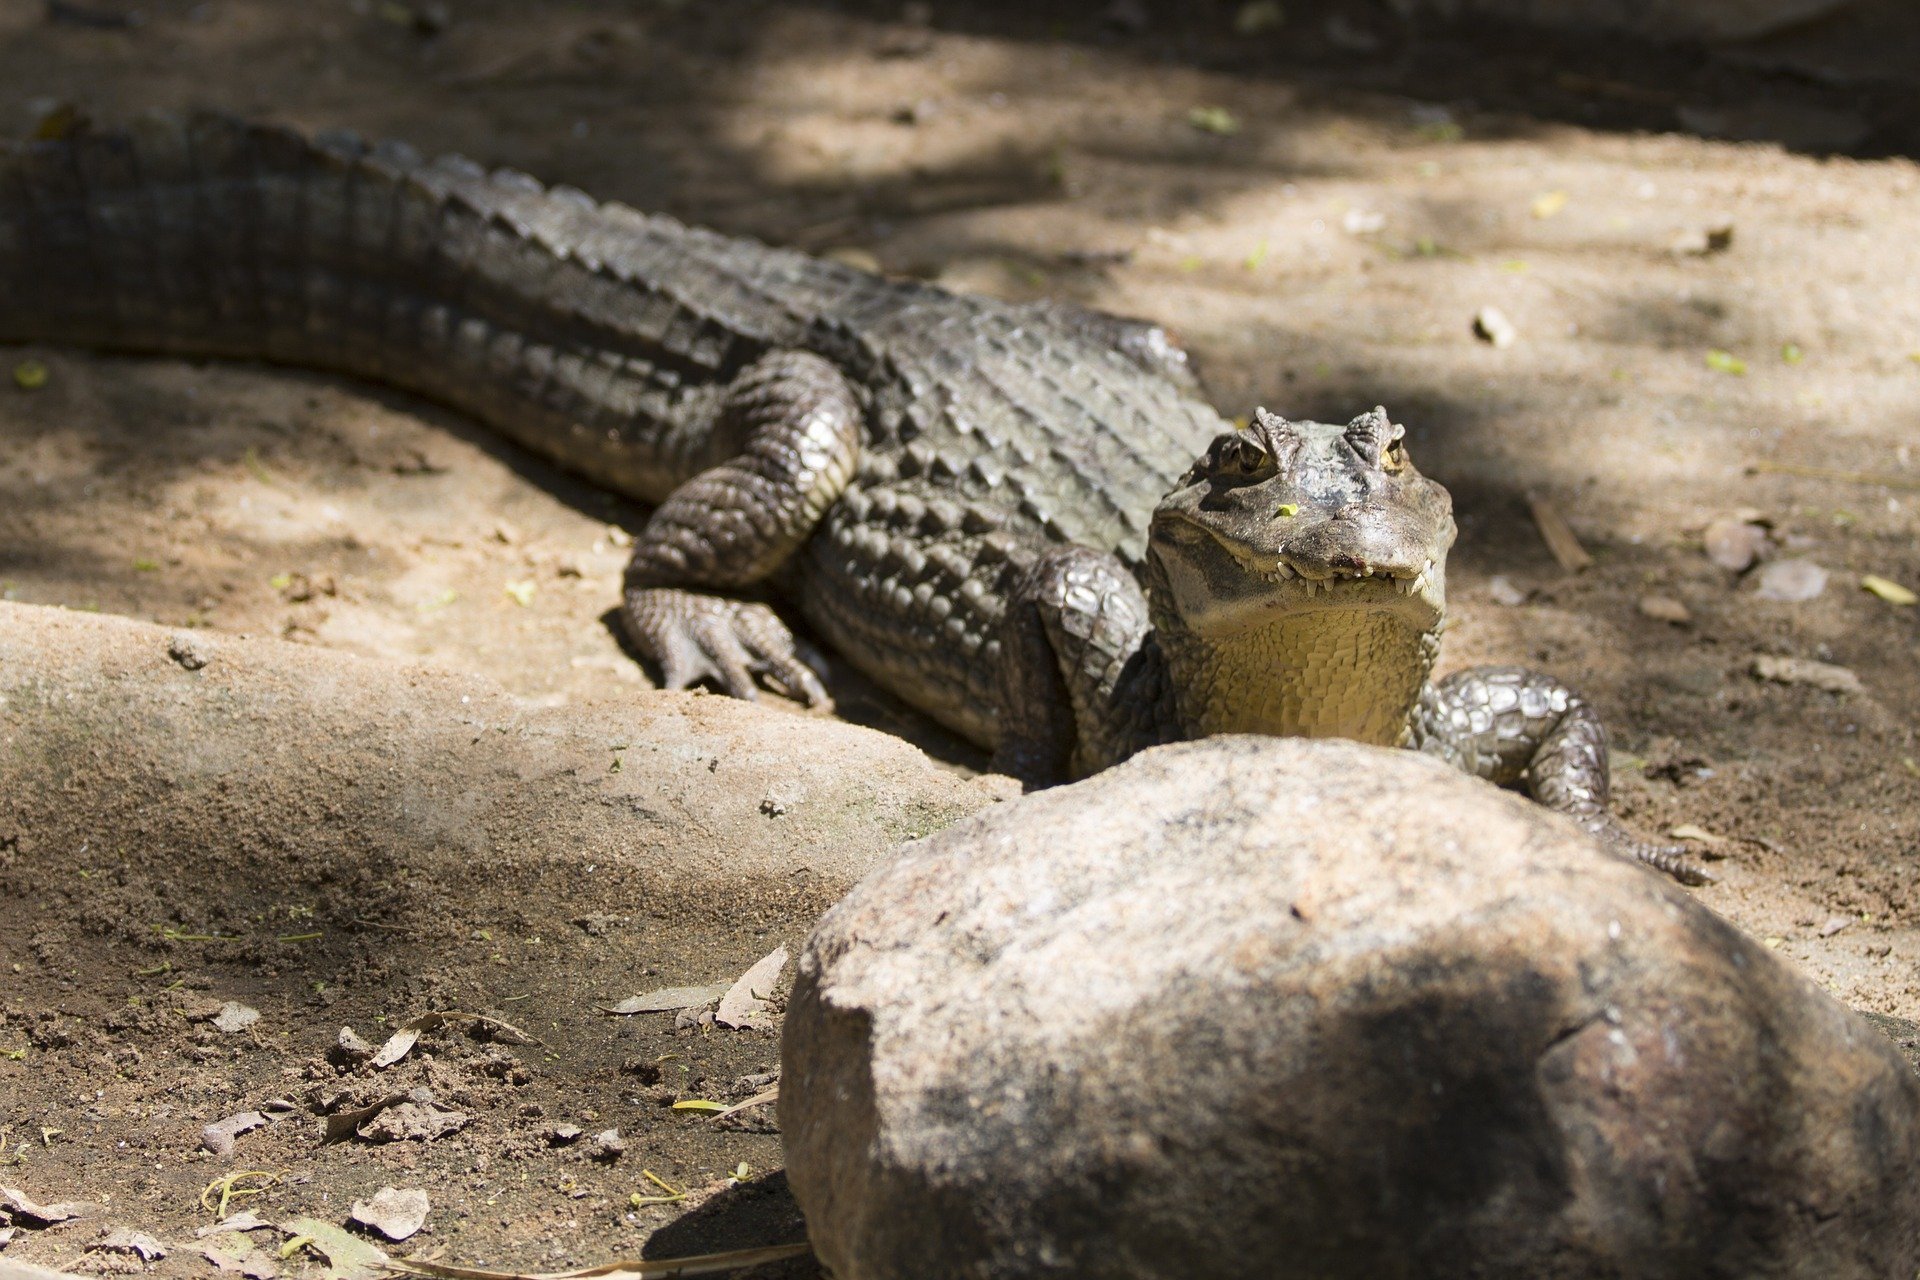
<point>691,637</point>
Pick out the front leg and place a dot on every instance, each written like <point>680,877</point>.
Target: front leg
<point>735,524</point>
<point>1511,725</point>
<point>1081,682</point>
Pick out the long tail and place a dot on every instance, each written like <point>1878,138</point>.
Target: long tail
<point>579,329</point>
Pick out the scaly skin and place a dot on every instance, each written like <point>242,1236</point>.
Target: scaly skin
<point>957,493</point>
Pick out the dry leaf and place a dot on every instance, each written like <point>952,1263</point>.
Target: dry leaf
<point>245,1220</point>
<point>1835,924</point>
<point>125,1241</point>
<point>15,1202</point>
<point>1699,835</point>
<point>394,1213</point>
<point>745,999</point>
<point>348,1256</point>
<point>235,1017</point>
<point>342,1125</point>
<point>218,1137</point>
<point>759,1099</point>
<point>413,1122</point>
<point>667,999</point>
<point>401,1042</point>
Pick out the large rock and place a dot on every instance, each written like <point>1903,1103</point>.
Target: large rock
<point>255,771</point>
<point>1253,1007</point>
<point>1666,20</point>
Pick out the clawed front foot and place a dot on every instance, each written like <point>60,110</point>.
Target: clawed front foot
<point>691,637</point>
<point>1670,858</point>
<point>1509,724</point>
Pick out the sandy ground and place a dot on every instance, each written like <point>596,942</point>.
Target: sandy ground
<point>1319,209</point>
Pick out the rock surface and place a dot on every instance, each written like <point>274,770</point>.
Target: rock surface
<point>1247,1000</point>
<point>1677,20</point>
<point>311,766</point>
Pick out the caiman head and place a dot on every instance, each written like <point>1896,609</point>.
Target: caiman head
<point>1298,580</point>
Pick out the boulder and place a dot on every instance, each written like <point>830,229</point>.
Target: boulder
<point>237,773</point>
<point>1247,1006</point>
<point>1711,20</point>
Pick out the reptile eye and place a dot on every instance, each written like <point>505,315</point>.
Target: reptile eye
<point>1395,458</point>
<point>1237,455</point>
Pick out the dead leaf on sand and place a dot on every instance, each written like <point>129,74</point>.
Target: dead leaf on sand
<point>348,1256</point>
<point>745,1000</point>
<point>15,1202</point>
<point>666,999</point>
<point>413,1122</point>
<point>401,1042</point>
<point>218,1137</point>
<point>235,1017</point>
<point>393,1212</point>
<point>125,1241</point>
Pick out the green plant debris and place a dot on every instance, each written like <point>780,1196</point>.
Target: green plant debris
<point>1790,353</point>
<point>698,1104</point>
<point>1889,590</point>
<point>144,564</point>
<point>1548,204</point>
<point>280,581</point>
<point>31,375</point>
<point>241,1184</point>
<point>1258,256</point>
<point>673,1193</point>
<point>1440,131</point>
<point>1214,120</point>
<point>1257,16</point>
<point>522,592</point>
<point>172,934</point>
<point>1725,362</point>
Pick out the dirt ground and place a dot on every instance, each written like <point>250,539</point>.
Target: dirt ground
<point>1320,208</point>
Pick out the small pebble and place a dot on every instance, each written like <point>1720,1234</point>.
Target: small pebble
<point>1504,592</point>
<point>189,650</point>
<point>1790,581</point>
<point>1665,609</point>
<point>1819,675</point>
<point>1734,543</point>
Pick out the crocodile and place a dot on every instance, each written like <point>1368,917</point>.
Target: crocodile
<point>1023,520</point>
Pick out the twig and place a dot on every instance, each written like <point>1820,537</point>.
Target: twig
<point>1828,473</point>
<point>1558,536</point>
<point>705,1264</point>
